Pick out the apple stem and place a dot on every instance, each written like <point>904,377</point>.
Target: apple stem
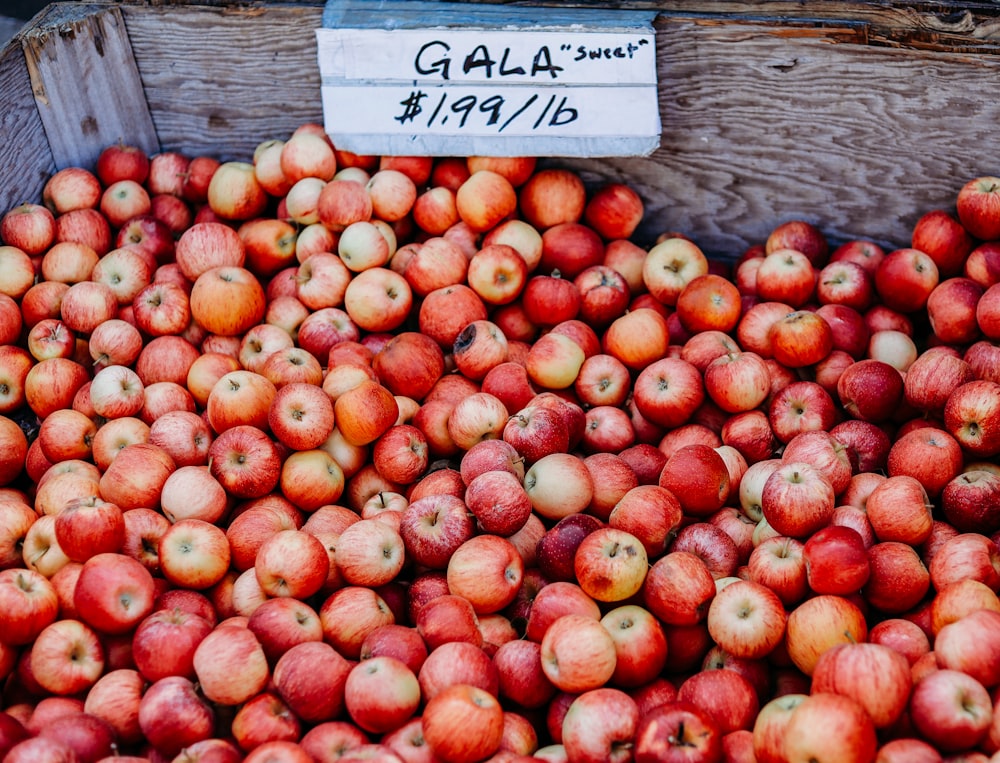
<point>679,739</point>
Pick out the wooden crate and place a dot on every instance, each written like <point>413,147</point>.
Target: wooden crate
<point>857,116</point>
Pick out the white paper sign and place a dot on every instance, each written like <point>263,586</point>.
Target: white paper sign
<point>500,92</point>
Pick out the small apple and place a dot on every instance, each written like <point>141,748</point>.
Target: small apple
<point>978,207</point>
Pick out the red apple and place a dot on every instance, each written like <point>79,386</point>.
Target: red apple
<point>830,724</point>
<point>230,665</point>
<point>29,604</point>
<point>291,563</point>
<point>844,282</point>
<point>310,677</point>
<point>640,644</point>
<point>905,279</point>
<point>951,310</point>
<point>970,417</point>
<point>786,275</point>
<point>909,749</point>
<point>614,211</point>
<point>113,593</point>
<point>610,564</point>
<point>66,657</point>
<point>953,602</point>
<point>899,510</point>
<point>499,502</point>
<point>194,553</point>
<point>234,193</point>
<point>637,338</point>
<point>708,302</point>
<point>851,334</point>
<point>801,338</point>
<point>521,678</point>
<point>604,295</point>
<point>670,265</point>
<point>836,561</point>
<point>265,720</point>
<point>982,264</point>
<point>679,588</point>
<point>903,636</point>
<point>115,698</point>
<point>349,614</point>
<point>570,248</point>
<point>487,571</point>
<point>801,406</point>
<point>898,579</point>
<point>726,696</point>
<point>866,442</point>
<point>245,461</point>
<point>651,513</point>
<point>677,732</point>
<point>941,236</point>
<point>552,196</point>
<point>485,199</point>
<point>870,390</point>
<point>120,161</point>
<point>978,207</point>
<point>600,725</point>
<point>381,694</point>
<point>968,504</point>
<point>227,300</point>
<point>930,455</point>
<point>968,644</point>
<point>163,644</point>
<point>966,555</point>
<point>173,715</point>
<point>874,675</point>
<point>463,723</point>
<point>950,709</point>
<point>578,653</point>
<point>455,663</point>
<point>820,623</point>
<point>932,377</point>
<point>747,619</point>
<point>559,484</point>
<point>369,553</point>
<point>71,188</point>
<point>738,382</point>
<point>986,313</point>
<point>797,499</point>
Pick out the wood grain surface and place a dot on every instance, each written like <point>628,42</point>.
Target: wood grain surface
<point>856,116</point>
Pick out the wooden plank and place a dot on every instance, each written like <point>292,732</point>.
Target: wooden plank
<point>219,81</point>
<point>940,25</point>
<point>25,158</point>
<point>765,118</point>
<point>945,27</point>
<point>86,83</point>
<point>761,125</point>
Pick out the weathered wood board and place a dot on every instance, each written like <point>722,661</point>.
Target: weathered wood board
<point>857,116</point>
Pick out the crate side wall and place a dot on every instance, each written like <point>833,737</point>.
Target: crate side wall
<point>26,159</point>
<point>229,78</point>
<point>764,123</point>
<point>764,120</point>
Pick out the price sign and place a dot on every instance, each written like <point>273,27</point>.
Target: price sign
<point>574,89</point>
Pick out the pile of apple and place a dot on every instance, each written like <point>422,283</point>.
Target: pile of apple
<point>323,456</point>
